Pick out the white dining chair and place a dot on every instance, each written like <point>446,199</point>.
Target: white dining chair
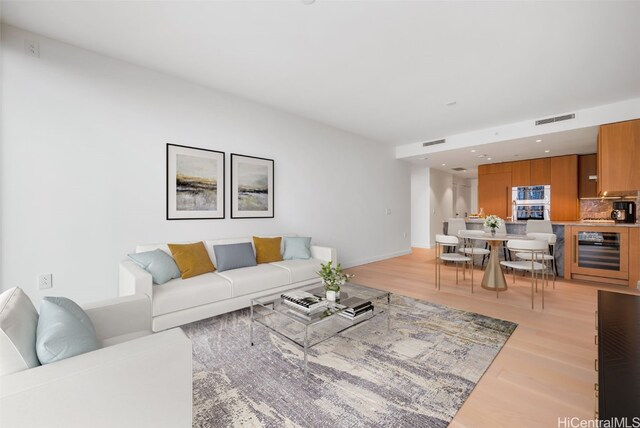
<point>469,246</point>
<point>446,241</point>
<point>548,255</point>
<point>543,226</point>
<point>536,249</point>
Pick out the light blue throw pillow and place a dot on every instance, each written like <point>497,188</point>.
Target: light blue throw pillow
<point>64,330</point>
<point>159,264</point>
<point>234,256</point>
<point>296,247</point>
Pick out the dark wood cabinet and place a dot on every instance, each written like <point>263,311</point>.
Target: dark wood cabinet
<point>618,158</point>
<point>587,176</point>
<point>494,193</point>
<point>540,172</point>
<point>521,173</point>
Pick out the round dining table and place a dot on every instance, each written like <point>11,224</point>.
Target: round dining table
<point>493,278</point>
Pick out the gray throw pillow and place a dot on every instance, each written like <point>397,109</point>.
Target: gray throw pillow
<point>296,247</point>
<point>234,256</point>
<point>64,330</point>
<point>159,264</point>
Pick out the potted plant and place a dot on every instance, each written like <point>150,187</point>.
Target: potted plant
<point>493,222</point>
<point>332,278</point>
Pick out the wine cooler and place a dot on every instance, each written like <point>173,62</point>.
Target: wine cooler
<point>600,253</point>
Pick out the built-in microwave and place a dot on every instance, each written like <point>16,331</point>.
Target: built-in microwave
<point>532,195</point>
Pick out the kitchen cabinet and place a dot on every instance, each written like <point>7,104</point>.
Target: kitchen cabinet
<point>564,188</point>
<point>540,171</point>
<point>587,171</point>
<point>494,168</point>
<point>521,173</point>
<point>494,193</point>
<point>618,158</point>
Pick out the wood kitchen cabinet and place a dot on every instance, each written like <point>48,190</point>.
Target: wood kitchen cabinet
<point>540,172</point>
<point>564,188</point>
<point>619,158</point>
<point>494,193</point>
<point>521,173</point>
<point>587,173</point>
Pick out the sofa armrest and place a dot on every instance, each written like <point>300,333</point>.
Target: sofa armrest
<point>324,253</point>
<point>132,279</point>
<point>119,316</point>
<point>143,382</point>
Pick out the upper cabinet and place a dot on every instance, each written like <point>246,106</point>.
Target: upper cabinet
<point>564,188</point>
<point>540,172</point>
<point>619,158</point>
<point>587,176</point>
<point>494,192</point>
<point>521,173</point>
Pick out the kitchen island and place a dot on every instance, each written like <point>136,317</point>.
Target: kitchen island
<point>599,252</point>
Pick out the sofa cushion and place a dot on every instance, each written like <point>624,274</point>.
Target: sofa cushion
<point>234,256</point>
<point>256,278</point>
<point>159,264</point>
<point>18,323</point>
<point>267,249</point>
<point>64,330</point>
<point>192,259</point>
<point>301,270</point>
<point>296,247</point>
<point>179,294</point>
<point>125,337</point>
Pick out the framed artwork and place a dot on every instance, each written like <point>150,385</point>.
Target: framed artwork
<point>251,187</point>
<point>195,183</point>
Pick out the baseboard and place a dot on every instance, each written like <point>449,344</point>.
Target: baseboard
<point>376,258</point>
<point>421,245</point>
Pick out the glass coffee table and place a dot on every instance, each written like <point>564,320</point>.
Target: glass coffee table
<point>307,331</point>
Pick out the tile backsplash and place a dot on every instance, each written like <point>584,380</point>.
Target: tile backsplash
<point>599,208</point>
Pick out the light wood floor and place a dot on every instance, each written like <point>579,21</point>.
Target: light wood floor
<point>545,370</point>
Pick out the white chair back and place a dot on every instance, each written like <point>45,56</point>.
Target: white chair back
<point>455,225</point>
<point>470,232</point>
<point>527,245</point>
<point>539,226</point>
<point>551,238</point>
<point>447,240</point>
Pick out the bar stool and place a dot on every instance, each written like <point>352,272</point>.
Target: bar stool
<point>446,241</point>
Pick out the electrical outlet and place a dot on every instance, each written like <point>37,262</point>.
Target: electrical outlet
<point>45,281</point>
<point>32,48</point>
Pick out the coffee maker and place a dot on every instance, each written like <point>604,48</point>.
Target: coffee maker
<point>624,212</point>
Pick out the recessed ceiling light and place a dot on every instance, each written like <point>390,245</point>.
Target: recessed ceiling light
<point>547,151</point>
<point>538,141</point>
<point>481,156</point>
<point>444,164</point>
<point>488,158</point>
<point>451,103</point>
<point>473,150</point>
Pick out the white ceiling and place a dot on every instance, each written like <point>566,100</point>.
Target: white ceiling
<point>382,69</point>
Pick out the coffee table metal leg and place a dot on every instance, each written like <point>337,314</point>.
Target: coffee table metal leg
<point>251,324</point>
<point>306,330</point>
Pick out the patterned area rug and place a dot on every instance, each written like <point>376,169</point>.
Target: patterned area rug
<point>417,375</point>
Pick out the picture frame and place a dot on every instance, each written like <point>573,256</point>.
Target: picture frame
<point>252,187</point>
<point>195,183</point>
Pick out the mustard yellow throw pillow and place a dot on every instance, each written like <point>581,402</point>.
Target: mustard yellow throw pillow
<point>192,259</point>
<point>267,249</point>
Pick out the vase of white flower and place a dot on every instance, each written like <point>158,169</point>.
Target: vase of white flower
<point>493,222</point>
<point>332,279</point>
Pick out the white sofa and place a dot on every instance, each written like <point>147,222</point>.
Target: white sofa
<point>181,301</point>
<point>137,379</point>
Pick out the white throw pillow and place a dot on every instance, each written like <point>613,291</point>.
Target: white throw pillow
<point>18,324</point>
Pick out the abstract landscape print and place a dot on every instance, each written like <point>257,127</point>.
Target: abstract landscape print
<point>195,183</point>
<point>251,187</point>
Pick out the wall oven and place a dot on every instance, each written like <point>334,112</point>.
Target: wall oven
<point>531,202</point>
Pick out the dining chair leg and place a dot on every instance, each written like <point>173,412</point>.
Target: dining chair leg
<point>456,273</point>
<point>471,274</point>
<point>532,274</point>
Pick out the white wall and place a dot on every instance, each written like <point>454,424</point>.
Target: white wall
<point>440,201</point>
<point>83,170</point>
<point>420,207</point>
<point>473,183</point>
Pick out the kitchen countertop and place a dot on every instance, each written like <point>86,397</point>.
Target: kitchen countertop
<point>565,223</point>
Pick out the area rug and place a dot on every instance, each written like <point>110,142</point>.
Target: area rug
<point>418,374</point>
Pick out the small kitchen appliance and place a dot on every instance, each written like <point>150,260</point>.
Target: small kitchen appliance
<point>624,212</point>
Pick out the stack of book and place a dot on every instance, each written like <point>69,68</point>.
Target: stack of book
<point>356,308</point>
<point>304,302</point>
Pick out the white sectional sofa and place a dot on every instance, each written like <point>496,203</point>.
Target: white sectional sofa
<point>181,301</point>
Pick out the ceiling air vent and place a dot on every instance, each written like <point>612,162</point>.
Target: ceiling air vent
<point>459,169</point>
<point>433,143</point>
<point>555,119</point>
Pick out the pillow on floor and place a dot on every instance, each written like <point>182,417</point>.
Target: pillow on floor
<point>158,263</point>
<point>64,330</point>
<point>297,247</point>
<point>267,249</point>
<point>234,256</point>
<point>18,323</point>
<point>192,259</point>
